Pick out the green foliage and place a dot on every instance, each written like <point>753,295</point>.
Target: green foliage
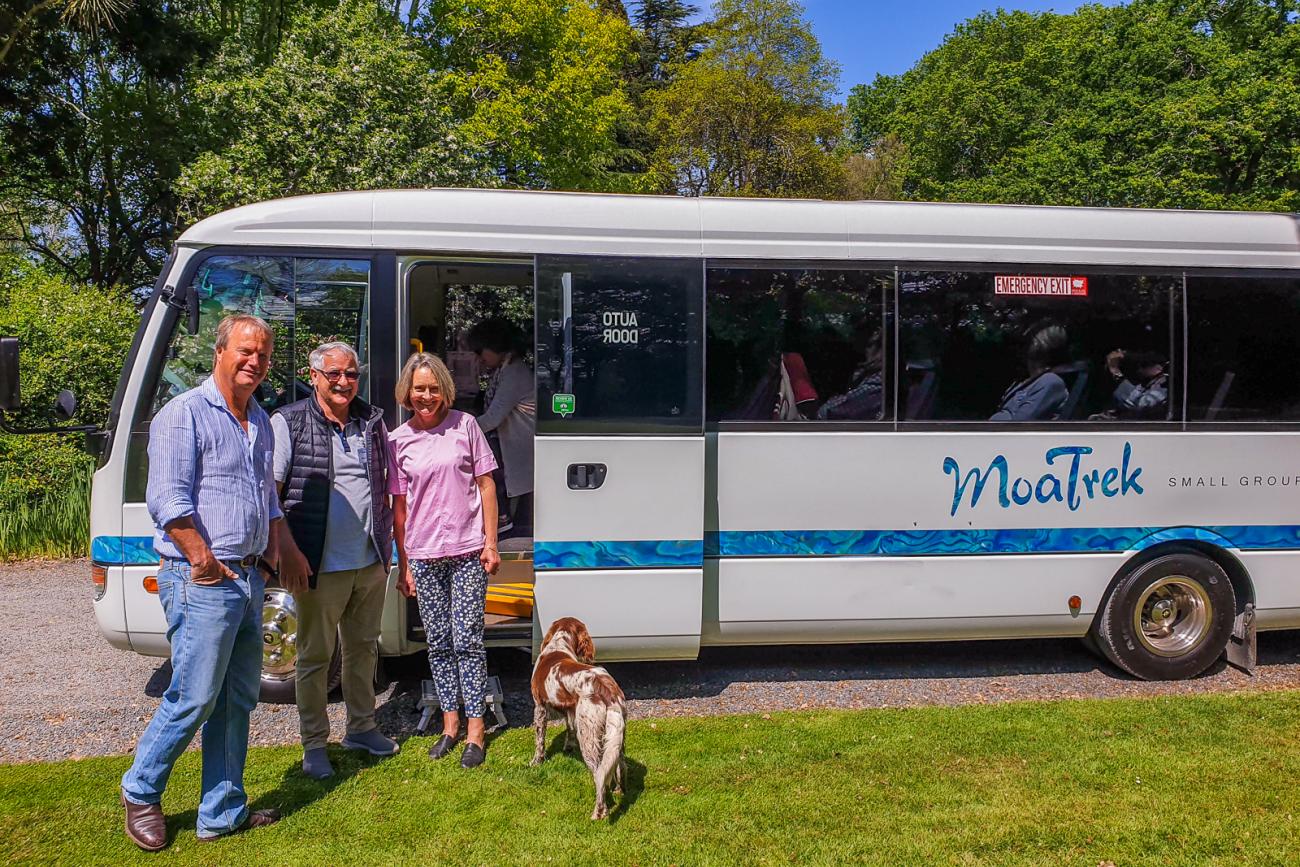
<point>536,86</point>
<point>1185,779</point>
<point>753,114</point>
<point>665,41</point>
<point>71,337</point>
<point>45,511</point>
<point>347,103</point>
<point>1153,104</point>
<point>94,127</point>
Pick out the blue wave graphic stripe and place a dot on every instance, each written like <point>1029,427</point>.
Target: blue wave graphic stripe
<point>123,550</point>
<point>1063,540</point>
<point>618,555</point>
<point>138,550</point>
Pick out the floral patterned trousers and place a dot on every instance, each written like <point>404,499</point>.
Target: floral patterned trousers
<point>451,592</point>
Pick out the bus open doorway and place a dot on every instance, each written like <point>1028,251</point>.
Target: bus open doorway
<point>471,314</point>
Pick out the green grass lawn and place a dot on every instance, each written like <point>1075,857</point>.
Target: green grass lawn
<point>1182,780</point>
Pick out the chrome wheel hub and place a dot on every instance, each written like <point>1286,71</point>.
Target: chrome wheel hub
<point>1173,616</point>
<point>279,635</point>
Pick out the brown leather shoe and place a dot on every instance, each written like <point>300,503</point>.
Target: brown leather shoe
<point>255,819</point>
<point>145,825</point>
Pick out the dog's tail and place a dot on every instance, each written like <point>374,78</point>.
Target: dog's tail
<point>611,753</point>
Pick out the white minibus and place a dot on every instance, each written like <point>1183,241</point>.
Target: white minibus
<point>770,421</point>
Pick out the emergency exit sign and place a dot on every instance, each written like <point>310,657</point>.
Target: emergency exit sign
<point>1023,284</point>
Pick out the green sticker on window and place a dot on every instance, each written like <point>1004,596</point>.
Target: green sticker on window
<point>562,404</point>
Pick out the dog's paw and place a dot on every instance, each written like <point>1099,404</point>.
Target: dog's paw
<point>537,760</point>
<point>599,813</point>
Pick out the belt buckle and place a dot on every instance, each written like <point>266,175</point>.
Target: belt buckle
<point>248,561</point>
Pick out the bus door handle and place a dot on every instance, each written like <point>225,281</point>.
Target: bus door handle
<point>586,477</point>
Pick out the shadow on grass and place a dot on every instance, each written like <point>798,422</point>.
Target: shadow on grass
<point>295,791</point>
<point>633,786</point>
<point>633,780</point>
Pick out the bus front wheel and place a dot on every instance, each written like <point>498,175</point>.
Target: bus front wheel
<point>1167,619</point>
<point>280,649</point>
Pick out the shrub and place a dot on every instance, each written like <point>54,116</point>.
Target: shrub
<point>71,337</point>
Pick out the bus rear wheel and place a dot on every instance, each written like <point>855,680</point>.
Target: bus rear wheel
<point>280,649</point>
<point>1167,619</point>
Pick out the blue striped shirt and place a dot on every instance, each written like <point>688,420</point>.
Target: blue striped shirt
<point>203,465</point>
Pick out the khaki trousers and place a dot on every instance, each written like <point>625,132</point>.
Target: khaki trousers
<point>345,606</point>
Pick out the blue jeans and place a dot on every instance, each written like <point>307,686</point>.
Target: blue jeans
<point>216,638</point>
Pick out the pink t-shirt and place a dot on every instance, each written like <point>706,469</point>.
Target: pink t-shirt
<point>436,468</point>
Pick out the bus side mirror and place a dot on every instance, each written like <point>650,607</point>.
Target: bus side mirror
<point>186,300</point>
<point>10,400</point>
<point>65,406</point>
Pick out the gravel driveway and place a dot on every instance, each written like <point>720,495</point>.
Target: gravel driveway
<point>64,693</point>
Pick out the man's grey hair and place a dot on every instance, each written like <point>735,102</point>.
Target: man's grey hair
<point>317,357</point>
<point>227,326</point>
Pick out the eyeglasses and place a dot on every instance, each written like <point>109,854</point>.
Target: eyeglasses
<point>336,375</point>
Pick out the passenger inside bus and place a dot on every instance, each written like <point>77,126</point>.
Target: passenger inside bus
<point>509,417</point>
<point>1043,393</point>
<point>863,401</point>
<point>1141,386</point>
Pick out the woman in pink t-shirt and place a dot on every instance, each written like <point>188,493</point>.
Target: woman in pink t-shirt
<point>445,525</point>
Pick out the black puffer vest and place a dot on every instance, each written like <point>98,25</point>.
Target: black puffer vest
<point>306,496</point>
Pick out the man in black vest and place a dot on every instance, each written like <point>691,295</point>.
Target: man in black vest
<point>332,465</point>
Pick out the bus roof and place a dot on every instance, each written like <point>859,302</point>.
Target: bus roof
<point>507,222</point>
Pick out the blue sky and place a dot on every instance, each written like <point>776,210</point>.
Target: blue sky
<point>867,37</point>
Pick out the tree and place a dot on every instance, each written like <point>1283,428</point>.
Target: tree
<point>1160,103</point>
<point>876,172</point>
<point>665,41</point>
<point>93,129</point>
<point>85,15</point>
<point>753,114</point>
<point>348,102</point>
<point>535,85</point>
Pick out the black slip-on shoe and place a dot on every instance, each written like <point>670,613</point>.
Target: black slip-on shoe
<point>441,747</point>
<point>473,756</point>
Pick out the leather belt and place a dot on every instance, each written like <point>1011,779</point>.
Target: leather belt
<point>248,561</point>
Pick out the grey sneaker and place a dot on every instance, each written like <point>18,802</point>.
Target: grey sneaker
<point>316,764</point>
<point>372,742</point>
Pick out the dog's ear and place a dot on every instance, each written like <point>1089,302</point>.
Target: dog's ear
<point>586,650</point>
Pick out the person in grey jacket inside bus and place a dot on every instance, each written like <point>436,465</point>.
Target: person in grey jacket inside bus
<point>510,410</point>
<point>1042,395</point>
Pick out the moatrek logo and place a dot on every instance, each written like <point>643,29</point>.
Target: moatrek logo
<point>1078,482</point>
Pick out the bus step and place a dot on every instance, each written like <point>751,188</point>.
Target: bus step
<point>511,600</point>
<point>429,704</point>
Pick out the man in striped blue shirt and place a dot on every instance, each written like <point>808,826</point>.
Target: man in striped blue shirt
<point>217,522</point>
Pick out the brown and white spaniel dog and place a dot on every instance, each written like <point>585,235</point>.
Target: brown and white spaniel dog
<point>564,682</point>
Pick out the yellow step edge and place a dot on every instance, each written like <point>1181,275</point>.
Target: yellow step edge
<point>513,600</point>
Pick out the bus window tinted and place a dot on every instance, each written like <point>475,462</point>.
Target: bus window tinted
<point>619,344</point>
<point>983,345</point>
<point>306,301</point>
<point>796,344</point>
<point>1242,360</point>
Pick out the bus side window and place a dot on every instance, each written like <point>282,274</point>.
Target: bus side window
<point>797,344</point>
<point>619,344</point>
<point>1242,361</point>
<point>1042,347</point>
<point>306,301</point>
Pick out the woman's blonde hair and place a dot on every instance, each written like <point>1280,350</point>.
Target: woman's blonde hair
<point>434,365</point>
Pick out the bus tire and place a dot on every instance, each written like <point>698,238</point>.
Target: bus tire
<point>280,650</point>
<point>1169,618</point>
